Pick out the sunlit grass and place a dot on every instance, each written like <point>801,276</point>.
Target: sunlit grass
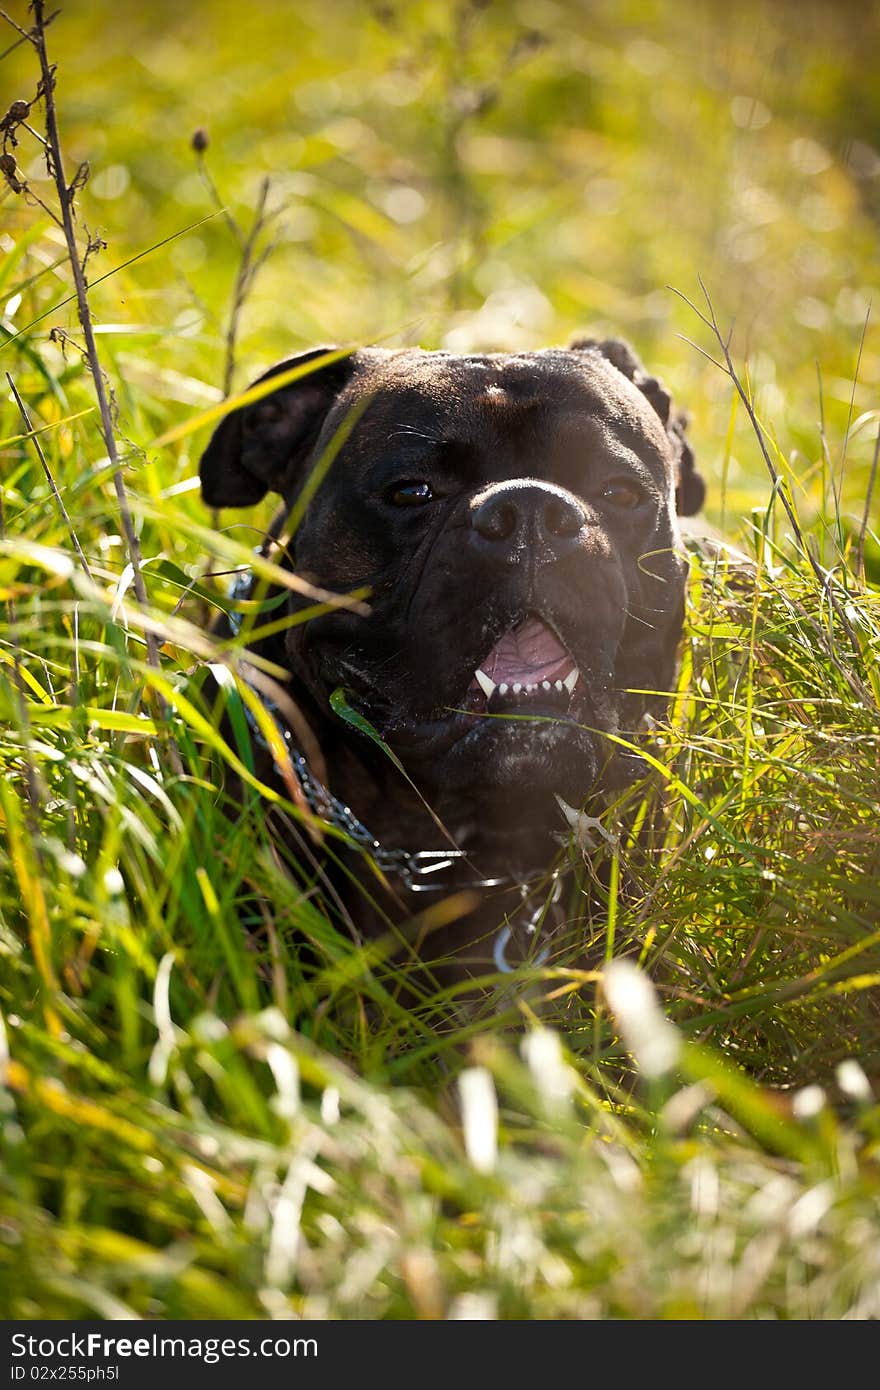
<point>218,1104</point>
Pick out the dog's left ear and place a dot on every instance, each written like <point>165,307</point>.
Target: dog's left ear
<point>690,492</point>
<point>262,447</point>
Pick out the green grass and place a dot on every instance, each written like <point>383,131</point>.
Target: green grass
<point>205,1122</point>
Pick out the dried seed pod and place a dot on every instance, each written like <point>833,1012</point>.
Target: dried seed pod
<point>8,170</point>
<point>18,111</point>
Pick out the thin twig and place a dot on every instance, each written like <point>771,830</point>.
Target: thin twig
<point>51,481</point>
<point>247,270</point>
<point>24,34</point>
<point>66,197</point>
<point>856,685</point>
<point>208,180</point>
<point>702,351</point>
<point>249,264</point>
<point>56,170</point>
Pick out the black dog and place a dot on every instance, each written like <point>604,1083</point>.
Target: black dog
<point>514,519</point>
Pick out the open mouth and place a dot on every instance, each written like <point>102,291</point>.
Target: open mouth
<point>528,668</point>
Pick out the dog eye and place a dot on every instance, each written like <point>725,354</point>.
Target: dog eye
<point>410,493</point>
<point>623,493</point>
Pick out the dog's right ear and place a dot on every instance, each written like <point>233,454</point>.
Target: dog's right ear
<point>261,447</point>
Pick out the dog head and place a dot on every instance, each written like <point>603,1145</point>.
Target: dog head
<point>514,519</point>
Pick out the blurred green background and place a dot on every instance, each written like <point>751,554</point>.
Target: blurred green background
<point>489,175</point>
<point>496,175</point>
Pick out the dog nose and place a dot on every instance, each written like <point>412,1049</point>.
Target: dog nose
<point>511,517</point>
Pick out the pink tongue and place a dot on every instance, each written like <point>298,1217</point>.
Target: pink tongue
<point>528,653</point>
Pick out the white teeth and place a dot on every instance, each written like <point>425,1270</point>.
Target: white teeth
<point>486,685</point>
<point>489,687</point>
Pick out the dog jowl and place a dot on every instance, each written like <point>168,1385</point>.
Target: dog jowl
<point>514,520</point>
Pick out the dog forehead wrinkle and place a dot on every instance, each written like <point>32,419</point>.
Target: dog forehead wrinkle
<point>439,374</point>
<point>502,400</point>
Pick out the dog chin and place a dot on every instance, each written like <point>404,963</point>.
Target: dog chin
<point>497,757</point>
